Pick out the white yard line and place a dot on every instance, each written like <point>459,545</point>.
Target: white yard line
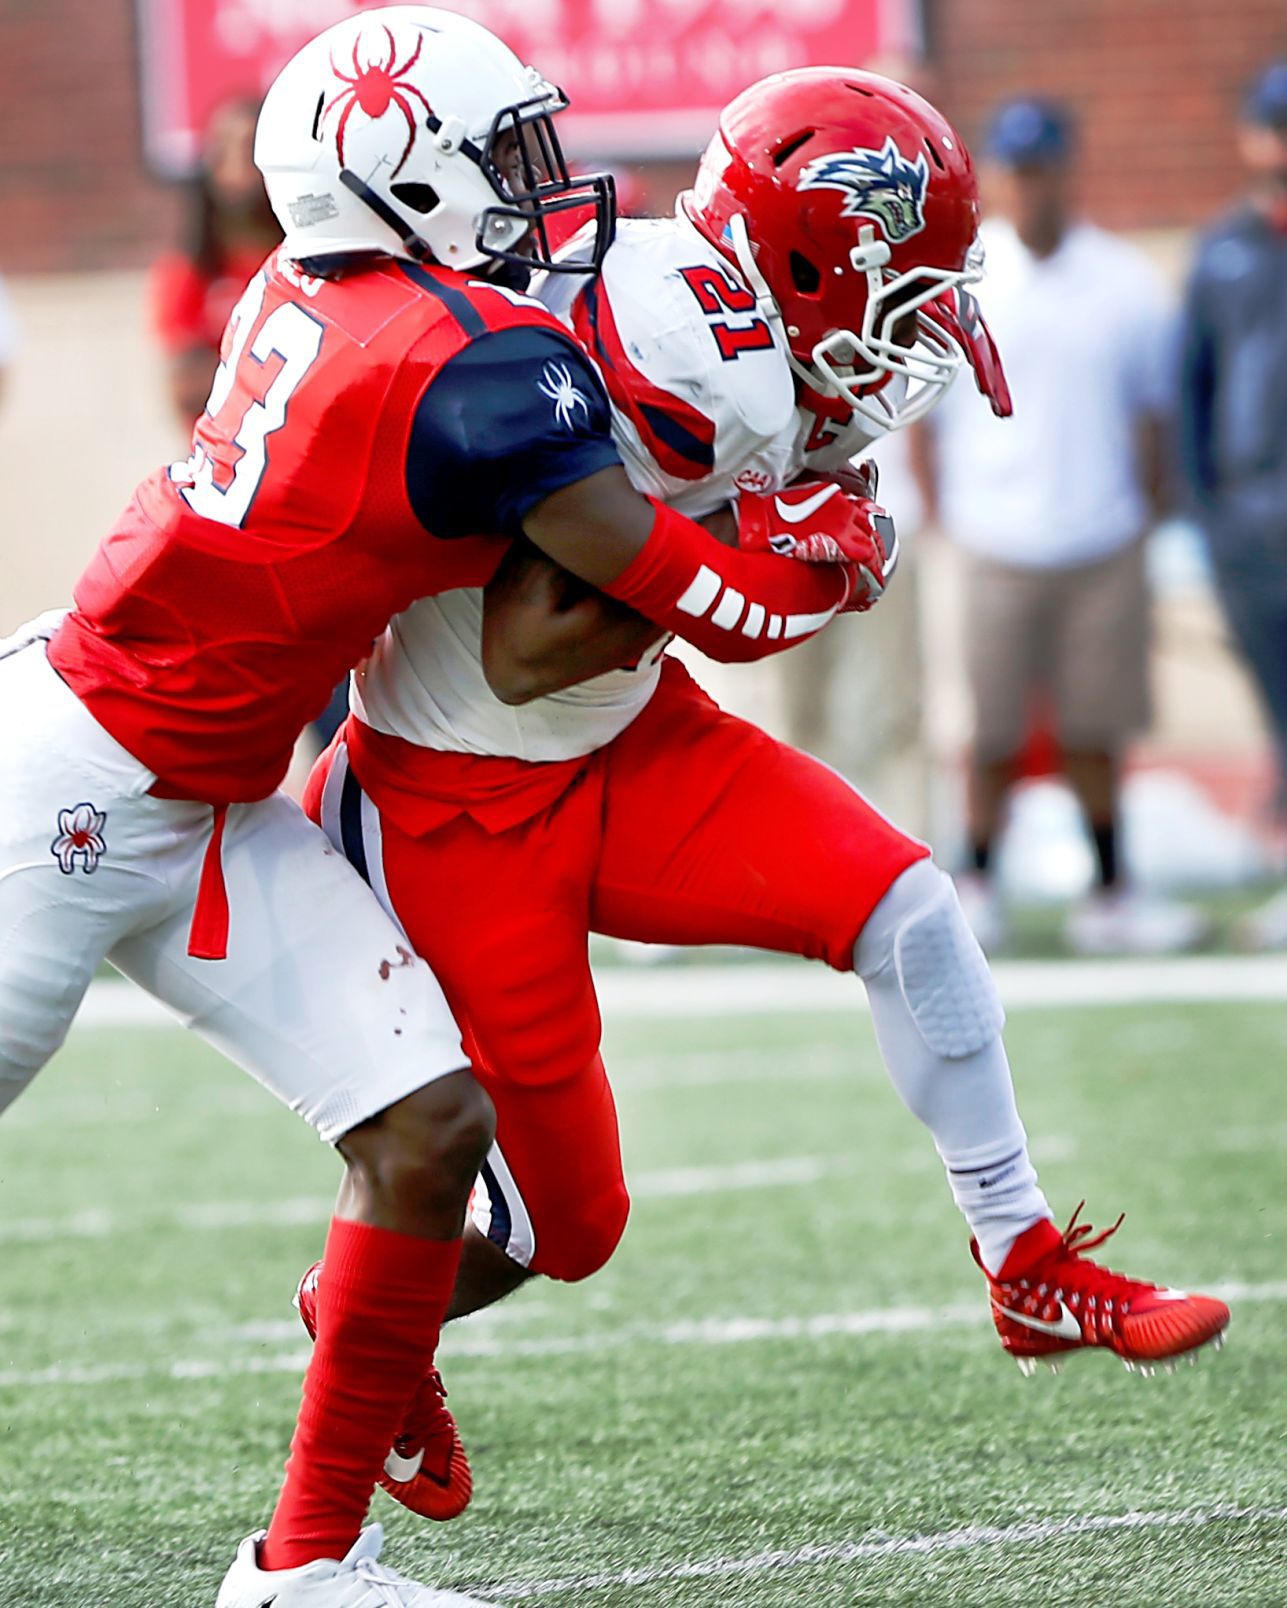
<point>462,1343</point>
<point>777,988</point>
<point>969,1538</point>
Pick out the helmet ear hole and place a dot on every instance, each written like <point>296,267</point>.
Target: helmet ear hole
<point>421,198</point>
<point>805,275</point>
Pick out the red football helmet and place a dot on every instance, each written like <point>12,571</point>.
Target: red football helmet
<point>848,203</point>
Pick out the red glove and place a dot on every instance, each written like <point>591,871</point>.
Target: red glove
<point>831,520</point>
<point>957,314</point>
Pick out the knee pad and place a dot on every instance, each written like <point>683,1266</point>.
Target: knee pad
<point>920,930</point>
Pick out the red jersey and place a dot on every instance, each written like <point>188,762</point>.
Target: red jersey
<point>338,472</point>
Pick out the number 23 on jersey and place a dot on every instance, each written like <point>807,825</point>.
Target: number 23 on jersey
<point>269,366</point>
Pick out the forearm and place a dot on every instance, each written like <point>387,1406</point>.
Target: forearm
<point>735,606</point>
<point>527,660</point>
<point>731,604</point>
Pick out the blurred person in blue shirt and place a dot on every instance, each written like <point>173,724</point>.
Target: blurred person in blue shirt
<point>1233,420</point>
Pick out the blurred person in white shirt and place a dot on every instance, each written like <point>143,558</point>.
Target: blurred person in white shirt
<point>1051,508</point>
<point>856,700</point>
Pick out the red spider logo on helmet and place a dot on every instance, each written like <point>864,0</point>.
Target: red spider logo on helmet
<point>374,88</point>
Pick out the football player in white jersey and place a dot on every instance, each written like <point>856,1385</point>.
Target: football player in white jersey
<point>527,765</point>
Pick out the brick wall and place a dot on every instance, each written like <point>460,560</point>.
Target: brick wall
<point>1156,83</point>
<point>73,191</point>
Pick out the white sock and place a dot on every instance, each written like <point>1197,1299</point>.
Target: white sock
<point>956,1079</point>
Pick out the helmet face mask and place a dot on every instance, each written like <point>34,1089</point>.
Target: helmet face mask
<point>886,378</point>
<point>413,132</point>
<point>523,161</point>
<point>849,203</point>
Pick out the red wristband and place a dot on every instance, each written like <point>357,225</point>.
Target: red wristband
<point>732,605</point>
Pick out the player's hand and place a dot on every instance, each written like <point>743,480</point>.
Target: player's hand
<point>822,521</point>
<point>956,313</point>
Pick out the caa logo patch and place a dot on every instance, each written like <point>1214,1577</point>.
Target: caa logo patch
<point>754,480</point>
<point>80,838</point>
<point>557,383</point>
<point>882,185</point>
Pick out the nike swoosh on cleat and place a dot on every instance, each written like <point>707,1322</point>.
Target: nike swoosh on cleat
<point>1066,1329</point>
<point>797,513</point>
<point>403,1469</point>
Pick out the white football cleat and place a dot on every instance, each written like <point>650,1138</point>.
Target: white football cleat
<point>1122,922</point>
<point>356,1581</point>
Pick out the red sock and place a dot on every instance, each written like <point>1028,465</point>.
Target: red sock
<point>379,1309</point>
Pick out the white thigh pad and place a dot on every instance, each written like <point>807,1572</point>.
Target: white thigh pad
<point>944,976</point>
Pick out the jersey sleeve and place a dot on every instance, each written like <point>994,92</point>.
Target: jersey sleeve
<point>510,419</point>
<point>693,427</point>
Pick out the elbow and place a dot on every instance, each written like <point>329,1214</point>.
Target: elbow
<point>512,680</point>
<point>515,694</point>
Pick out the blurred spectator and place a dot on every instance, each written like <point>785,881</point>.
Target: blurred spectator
<point>1233,420</point>
<point>853,695</point>
<point>8,336</point>
<point>1051,508</point>
<point>230,230</point>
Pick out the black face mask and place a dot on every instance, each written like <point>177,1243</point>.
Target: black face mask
<point>548,188</point>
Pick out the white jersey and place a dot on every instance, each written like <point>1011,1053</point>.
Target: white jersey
<point>703,404</point>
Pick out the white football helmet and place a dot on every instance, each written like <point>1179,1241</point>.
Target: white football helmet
<point>395,132</point>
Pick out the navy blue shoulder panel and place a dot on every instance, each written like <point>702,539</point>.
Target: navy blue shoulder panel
<point>512,417</point>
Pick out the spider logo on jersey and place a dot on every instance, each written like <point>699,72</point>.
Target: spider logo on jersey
<point>876,184</point>
<point>373,88</point>
<point>557,383</point>
<point>80,837</point>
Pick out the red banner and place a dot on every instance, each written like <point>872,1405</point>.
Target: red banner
<point>646,77</point>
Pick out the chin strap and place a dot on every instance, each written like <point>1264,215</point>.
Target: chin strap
<point>415,247</point>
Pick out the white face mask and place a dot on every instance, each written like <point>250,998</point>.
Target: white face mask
<point>853,364</point>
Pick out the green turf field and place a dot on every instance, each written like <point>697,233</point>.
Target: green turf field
<point>782,1392</point>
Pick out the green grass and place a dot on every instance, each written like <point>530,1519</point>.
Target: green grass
<point>633,1448</point>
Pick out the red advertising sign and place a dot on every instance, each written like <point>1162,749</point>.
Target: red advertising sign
<point>646,77</point>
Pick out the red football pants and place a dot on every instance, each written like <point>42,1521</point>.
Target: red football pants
<point>692,827</point>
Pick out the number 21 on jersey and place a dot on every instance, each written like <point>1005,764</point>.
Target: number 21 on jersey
<point>289,334</point>
<point>718,292</point>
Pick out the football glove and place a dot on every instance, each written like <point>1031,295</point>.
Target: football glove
<point>831,520</point>
<point>957,314</point>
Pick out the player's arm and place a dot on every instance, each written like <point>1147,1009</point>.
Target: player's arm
<point>513,436</point>
<point>544,630</point>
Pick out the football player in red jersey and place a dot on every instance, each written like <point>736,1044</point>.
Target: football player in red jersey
<point>834,217</point>
<point>384,395</point>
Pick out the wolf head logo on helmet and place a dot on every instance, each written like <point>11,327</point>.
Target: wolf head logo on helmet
<point>875,184</point>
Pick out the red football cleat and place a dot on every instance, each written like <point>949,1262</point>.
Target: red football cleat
<point>428,1467</point>
<point>1049,1298</point>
